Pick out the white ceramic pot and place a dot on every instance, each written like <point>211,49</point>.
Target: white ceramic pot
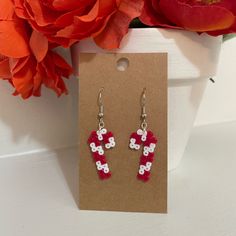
<point>192,60</point>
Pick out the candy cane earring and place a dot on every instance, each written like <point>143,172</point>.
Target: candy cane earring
<point>99,137</point>
<point>149,141</point>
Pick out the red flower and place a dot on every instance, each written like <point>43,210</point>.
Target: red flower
<point>27,75</point>
<point>26,58</point>
<point>65,22</point>
<point>215,17</point>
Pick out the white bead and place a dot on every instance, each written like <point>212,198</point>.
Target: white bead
<point>145,153</point>
<point>132,146</point>
<point>108,146</point>
<point>99,167</point>
<point>142,167</point>
<point>111,139</point>
<point>98,163</point>
<point>140,132</point>
<point>92,145</point>
<point>113,144</point>
<point>94,149</point>
<point>144,138</point>
<point>152,145</point>
<point>133,140</point>
<point>151,150</point>
<point>141,172</point>
<point>149,164</point>
<point>146,149</point>
<point>136,147</point>
<point>101,152</point>
<point>100,137</point>
<point>103,131</point>
<point>105,165</point>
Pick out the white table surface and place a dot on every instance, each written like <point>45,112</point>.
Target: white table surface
<point>38,192</point>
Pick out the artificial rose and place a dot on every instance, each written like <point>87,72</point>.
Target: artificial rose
<point>28,75</point>
<point>65,22</point>
<point>41,66</point>
<point>13,34</point>
<point>26,58</point>
<point>4,67</point>
<point>214,17</point>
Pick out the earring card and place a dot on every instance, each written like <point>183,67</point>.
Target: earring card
<point>122,109</point>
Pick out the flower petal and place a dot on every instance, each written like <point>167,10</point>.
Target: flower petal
<point>39,45</point>
<point>152,15</point>
<point>200,18</point>
<point>4,68</point>
<point>6,10</point>
<point>118,25</point>
<point>43,15</point>
<point>91,23</point>
<point>13,39</point>
<point>22,80</point>
<point>63,67</point>
<point>65,5</point>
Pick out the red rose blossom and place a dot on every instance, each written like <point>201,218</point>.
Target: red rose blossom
<point>215,17</point>
<point>27,74</point>
<point>26,57</point>
<point>65,22</point>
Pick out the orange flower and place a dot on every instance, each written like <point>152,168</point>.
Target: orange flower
<point>26,58</point>
<point>4,67</point>
<point>28,75</point>
<point>65,22</point>
<point>215,17</point>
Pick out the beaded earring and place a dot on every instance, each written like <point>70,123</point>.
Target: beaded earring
<point>149,141</point>
<point>99,137</point>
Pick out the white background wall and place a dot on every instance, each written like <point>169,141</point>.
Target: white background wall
<point>50,122</point>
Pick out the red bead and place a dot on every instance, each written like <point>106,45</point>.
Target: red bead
<point>144,159</point>
<point>103,175</point>
<point>137,138</point>
<point>107,136</point>
<point>93,138</point>
<point>144,177</point>
<point>150,139</point>
<point>149,134</point>
<point>101,169</point>
<point>98,157</point>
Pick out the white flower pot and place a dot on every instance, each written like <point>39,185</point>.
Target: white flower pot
<point>193,59</point>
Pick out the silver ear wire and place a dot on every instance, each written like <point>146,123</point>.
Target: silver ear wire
<point>101,123</point>
<point>143,112</point>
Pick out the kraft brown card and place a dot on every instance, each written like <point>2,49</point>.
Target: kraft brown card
<point>122,109</point>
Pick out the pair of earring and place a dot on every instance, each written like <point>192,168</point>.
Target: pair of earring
<point>142,136</point>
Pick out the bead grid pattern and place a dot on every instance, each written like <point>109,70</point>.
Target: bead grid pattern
<point>149,141</point>
<point>96,139</point>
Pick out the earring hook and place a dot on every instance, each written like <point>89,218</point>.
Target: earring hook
<point>100,96</point>
<point>101,124</point>
<point>143,100</point>
<point>144,114</point>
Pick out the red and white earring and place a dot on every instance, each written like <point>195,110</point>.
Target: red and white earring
<point>149,141</point>
<point>96,141</point>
